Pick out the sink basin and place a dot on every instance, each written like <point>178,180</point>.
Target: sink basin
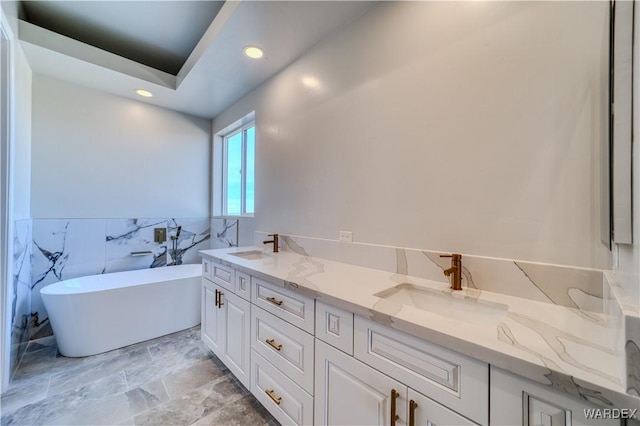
<point>250,255</point>
<point>451,305</point>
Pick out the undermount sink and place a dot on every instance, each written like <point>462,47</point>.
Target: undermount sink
<point>250,255</point>
<point>451,305</point>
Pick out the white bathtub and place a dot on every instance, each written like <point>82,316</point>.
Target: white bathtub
<point>98,313</point>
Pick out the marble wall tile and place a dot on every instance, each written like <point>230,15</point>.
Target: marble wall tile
<point>21,291</point>
<point>195,235</point>
<point>224,233</point>
<point>63,249</point>
<point>70,248</point>
<point>125,236</point>
<point>566,286</point>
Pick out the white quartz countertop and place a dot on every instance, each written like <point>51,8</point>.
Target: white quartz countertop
<point>564,348</point>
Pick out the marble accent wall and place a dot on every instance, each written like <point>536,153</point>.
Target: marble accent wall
<point>21,294</point>
<point>69,248</point>
<point>224,233</point>
<point>572,287</point>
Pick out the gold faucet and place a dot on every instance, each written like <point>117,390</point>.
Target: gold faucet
<point>274,241</point>
<point>456,270</point>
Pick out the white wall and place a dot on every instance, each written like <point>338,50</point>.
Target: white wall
<point>628,269</point>
<point>22,135</point>
<point>17,196</point>
<point>466,127</point>
<point>102,156</point>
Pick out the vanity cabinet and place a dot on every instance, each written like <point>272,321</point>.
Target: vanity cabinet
<point>226,328</point>
<point>282,351</point>
<point>517,401</point>
<point>308,362</point>
<point>450,378</point>
<point>212,321</point>
<point>349,392</point>
<point>334,326</point>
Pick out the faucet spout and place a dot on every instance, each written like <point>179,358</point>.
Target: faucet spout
<point>274,242</point>
<point>455,270</point>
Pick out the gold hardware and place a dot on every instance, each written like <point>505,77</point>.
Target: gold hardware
<point>273,344</point>
<point>219,301</point>
<point>274,301</point>
<point>394,416</point>
<point>456,270</point>
<point>412,412</point>
<point>274,241</point>
<point>273,396</point>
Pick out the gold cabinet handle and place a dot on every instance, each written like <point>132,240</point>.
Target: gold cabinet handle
<point>412,412</point>
<point>273,396</point>
<point>273,344</point>
<point>274,301</point>
<point>219,301</point>
<point>394,416</point>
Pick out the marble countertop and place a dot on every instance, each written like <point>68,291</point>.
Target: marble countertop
<point>564,348</point>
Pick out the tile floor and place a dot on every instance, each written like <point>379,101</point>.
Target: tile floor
<point>173,380</point>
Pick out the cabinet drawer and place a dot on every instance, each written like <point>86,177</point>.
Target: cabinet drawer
<point>243,285</point>
<point>223,276</point>
<point>428,412</point>
<point>285,400</point>
<point>450,378</point>
<point>206,269</point>
<point>285,346</point>
<point>288,305</point>
<point>334,326</point>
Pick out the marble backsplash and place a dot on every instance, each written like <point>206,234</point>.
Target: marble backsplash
<point>566,286</point>
<point>70,248</point>
<point>21,291</point>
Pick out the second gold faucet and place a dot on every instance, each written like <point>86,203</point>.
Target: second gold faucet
<point>455,270</point>
<point>274,241</point>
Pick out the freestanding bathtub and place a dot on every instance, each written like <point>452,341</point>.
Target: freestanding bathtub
<point>98,313</point>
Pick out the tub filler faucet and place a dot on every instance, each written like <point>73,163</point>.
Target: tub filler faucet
<point>174,243</point>
<point>455,269</point>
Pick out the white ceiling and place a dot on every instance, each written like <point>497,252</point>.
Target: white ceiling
<point>208,78</point>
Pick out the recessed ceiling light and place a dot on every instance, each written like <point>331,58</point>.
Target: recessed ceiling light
<point>144,93</point>
<point>253,52</point>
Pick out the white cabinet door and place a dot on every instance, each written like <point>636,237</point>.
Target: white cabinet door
<point>454,380</point>
<point>517,401</point>
<point>348,392</point>
<point>213,321</point>
<point>424,411</point>
<point>237,351</point>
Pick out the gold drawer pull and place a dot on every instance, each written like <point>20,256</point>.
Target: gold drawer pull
<point>275,398</point>
<point>273,344</point>
<point>394,416</point>
<point>412,412</point>
<point>274,301</point>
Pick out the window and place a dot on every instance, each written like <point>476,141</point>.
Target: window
<point>238,171</point>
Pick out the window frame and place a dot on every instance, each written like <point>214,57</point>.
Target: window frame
<point>242,129</point>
